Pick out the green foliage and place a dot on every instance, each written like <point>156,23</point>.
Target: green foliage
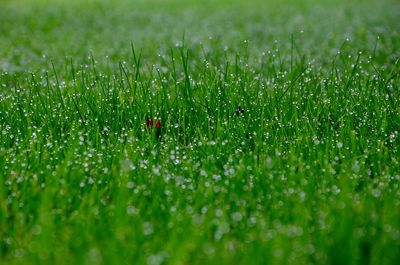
<point>277,142</point>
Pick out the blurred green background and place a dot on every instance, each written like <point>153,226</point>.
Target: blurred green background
<point>34,32</point>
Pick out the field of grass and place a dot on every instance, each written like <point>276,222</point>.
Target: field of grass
<point>199,132</point>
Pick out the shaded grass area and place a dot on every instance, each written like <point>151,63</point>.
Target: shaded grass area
<point>277,142</point>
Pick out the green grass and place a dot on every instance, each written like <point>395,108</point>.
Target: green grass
<point>306,171</point>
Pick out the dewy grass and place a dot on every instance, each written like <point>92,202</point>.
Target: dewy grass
<point>191,149</point>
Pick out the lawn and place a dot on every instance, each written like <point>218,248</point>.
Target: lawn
<point>199,132</point>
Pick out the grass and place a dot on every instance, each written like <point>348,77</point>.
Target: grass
<point>277,142</point>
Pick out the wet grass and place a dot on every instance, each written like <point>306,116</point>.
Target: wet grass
<point>160,132</point>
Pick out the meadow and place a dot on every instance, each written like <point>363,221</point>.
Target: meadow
<point>199,132</point>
